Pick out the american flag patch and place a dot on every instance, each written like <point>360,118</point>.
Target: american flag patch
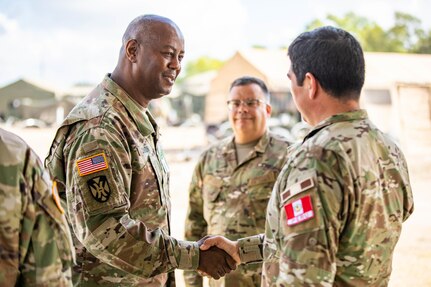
<point>92,164</point>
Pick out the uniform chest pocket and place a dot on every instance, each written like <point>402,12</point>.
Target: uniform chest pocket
<point>211,187</point>
<point>146,202</point>
<point>260,187</point>
<point>148,176</point>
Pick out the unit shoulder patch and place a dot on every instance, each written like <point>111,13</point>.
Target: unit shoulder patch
<point>99,188</point>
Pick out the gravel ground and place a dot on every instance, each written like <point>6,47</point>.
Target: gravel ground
<point>412,256</point>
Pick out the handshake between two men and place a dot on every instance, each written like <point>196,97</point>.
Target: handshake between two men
<point>218,256</point>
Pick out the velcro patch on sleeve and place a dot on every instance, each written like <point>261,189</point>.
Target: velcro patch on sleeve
<point>297,188</point>
<point>92,164</point>
<point>299,210</point>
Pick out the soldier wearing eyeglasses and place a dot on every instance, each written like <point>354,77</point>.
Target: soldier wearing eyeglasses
<point>233,179</point>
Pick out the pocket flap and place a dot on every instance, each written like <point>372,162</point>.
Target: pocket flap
<point>266,178</point>
<point>211,187</point>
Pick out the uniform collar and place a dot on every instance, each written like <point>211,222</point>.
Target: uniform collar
<point>343,117</point>
<point>262,143</point>
<point>141,116</point>
<point>259,147</point>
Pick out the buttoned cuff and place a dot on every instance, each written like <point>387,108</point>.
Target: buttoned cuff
<point>250,249</point>
<point>189,255</point>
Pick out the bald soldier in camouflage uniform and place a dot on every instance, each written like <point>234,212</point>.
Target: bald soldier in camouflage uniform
<point>113,176</point>
<point>35,243</point>
<point>233,179</point>
<point>336,211</point>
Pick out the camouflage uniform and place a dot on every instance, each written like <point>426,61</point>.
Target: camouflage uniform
<point>35,243</point>
<point>354,180</point>
<point>107,158</point>
<point>231,199</point>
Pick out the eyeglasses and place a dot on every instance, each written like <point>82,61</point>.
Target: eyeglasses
<point>248,103</point>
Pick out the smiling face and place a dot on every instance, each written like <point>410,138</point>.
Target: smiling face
<point>158,59</point>
<point>248,122</point>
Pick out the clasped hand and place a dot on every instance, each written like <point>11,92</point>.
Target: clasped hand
<point>218,256</point>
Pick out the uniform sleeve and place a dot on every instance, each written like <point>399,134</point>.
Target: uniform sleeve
<point>195,225</point>
<point>45,243</point>
<point>310,219</point>
<point>98,187</point>
<point>406,187</point>
<point>251,248</point>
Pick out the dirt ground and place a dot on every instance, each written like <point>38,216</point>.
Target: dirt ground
<point>412,257</point>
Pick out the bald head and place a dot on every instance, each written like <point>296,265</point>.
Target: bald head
<point>142,28</point>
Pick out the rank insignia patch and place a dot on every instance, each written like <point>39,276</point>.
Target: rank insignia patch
<point>99,188</point>
<point>92,164</point>
<point>299,210</point>
<point>297,188</point>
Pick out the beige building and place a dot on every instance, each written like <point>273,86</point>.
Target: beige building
<point>386,73</point>
<point>412,107</point>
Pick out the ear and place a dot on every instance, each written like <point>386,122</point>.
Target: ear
<point>268,110</point>
<point>131,50</point>
<point>311,83</point>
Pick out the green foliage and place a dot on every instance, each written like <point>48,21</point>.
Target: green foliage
<point>405,36</point>
<point>202,64</point>
<point>423,45</point>
<point>405,32</point>
<point>258,46</point>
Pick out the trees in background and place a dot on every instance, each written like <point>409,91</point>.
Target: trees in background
<point>405,36</point>
<point>202,64</point>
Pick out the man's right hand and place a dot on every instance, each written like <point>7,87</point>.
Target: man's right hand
<point>231,247</point>
<point>215,262</point>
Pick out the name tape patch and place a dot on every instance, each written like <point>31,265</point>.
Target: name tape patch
<point>92,164</point>
<point>299,210</point>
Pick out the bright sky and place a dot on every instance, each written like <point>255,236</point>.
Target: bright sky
<point>62,42</point>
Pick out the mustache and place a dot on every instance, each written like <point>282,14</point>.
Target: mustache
<point>170,75</point>
<point>243,118</point>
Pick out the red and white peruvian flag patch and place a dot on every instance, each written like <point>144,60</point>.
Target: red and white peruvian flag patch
<point>299,210</point>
